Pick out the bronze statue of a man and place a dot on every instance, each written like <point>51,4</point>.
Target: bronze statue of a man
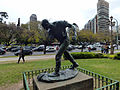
<point>58,30</point>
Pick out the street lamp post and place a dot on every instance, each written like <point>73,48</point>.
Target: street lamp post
<point>117,32</point>
<point>111,23</point>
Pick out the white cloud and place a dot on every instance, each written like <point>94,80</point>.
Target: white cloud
<point>116,10</point>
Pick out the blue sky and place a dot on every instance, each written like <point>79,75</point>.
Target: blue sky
<point>73,11</point>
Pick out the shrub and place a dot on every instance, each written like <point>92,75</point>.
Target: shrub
<point>85,55</point>
<point>117,56</point>
<point>99,55</point>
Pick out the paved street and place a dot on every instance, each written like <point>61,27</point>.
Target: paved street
<point>47,56</point>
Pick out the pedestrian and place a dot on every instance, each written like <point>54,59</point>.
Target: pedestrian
<point>21,55</point>
<point>57,48</point>
<point>107,49</point>
<point>102,49</point>
<point>89,49</point>
<point>57,30</point>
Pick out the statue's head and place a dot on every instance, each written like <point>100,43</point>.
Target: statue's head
<point>45,24</point>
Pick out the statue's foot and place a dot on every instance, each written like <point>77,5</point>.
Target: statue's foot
<point>54,74</point>
<point>74,66</point>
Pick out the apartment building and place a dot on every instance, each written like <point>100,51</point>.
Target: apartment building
<point>33,18</point>
<point>100,22</point>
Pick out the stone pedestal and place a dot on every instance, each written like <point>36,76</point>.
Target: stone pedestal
<point>80,82</point>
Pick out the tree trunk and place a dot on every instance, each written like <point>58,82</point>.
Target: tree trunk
<point>44,49</point>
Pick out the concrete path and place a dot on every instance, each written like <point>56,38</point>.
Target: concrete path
<point>28,58</point>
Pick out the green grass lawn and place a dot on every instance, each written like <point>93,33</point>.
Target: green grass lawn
<point>12,72</point>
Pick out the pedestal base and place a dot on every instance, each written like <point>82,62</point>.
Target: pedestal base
<point>63,75</point>
<point>80,82</point>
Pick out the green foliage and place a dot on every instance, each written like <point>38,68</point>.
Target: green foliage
<point>117,56</point>
<point>85,55</point>
<point>7,33</point>
<point>98,55</point>
<point>109,56</point>
<point>34,33</point>
<point>86,36</point>
<point>89,36</point>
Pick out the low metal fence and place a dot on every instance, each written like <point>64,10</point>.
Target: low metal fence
<point>100,82</point>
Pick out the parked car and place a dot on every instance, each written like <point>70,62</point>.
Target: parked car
<point>26,52</point>
<point>69,48</point>
<point>39,48</point>
<point>114,45</point>
<point>2,51</point>
<point>97,45</point>
<point>80,47</point>
<point>50,49</point>
<point>29,47</point>
<point>15,49</point>
<point>3,47</point>
<point>92,47</point>
<point>10,48</point>
<point>76,46</point>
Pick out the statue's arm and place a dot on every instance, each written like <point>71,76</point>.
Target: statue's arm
<point>72,27</point>
<point>74,30</point>
<point>50,35</point>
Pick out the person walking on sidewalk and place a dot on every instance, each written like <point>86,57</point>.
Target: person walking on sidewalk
<point>21,55</point>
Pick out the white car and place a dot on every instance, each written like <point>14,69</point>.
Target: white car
<point>97,45</point>
<point>114,45</point>
<point>80,47</point>
<point>50,49</point>
<point>92,47</point>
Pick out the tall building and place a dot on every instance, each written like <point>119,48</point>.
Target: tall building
<point>92,25</point>
<point>103,15</point>
<point>33,17</point>
<point>100,22</point>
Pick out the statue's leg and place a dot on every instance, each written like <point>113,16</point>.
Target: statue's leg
<point>61,50</point>
<point>71,59</point>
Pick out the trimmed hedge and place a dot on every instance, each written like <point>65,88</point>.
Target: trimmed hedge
<point>117,56</point>
<point>85,55</point>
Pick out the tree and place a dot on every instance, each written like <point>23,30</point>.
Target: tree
<point>72,34</point>
<point>31,32</point>
<point>86,36</point>
<point>7,33</point>
<point>3,15</point>
<point>34,33</point>
<point>43,39</point>
<point>33,37</point>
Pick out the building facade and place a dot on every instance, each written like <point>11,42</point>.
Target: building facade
<point>33,18</point>
<point>103,15</point>
<point>92,25</point>
<point>100,22</point>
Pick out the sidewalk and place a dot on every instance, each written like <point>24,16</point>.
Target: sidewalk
<point>27,58</point>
